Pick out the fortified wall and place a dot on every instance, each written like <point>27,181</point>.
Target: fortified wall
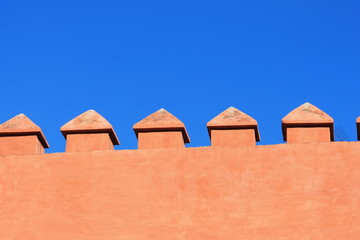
<point>307,188</point>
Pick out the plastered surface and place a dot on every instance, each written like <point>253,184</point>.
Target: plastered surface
<point>286,191</point>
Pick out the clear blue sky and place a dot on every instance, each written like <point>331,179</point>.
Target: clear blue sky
<point>127,59</point>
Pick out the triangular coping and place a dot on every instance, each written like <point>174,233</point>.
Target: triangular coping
<point>358,127</point>
<point>89,122</point>
<point>233,118</point>
<point>307,115</point>
<point>161,121</point>
<point>21,125</point>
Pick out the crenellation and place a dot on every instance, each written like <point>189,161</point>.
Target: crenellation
<point>233,128</point>
<point>92,132</point>
<point>358,127</point>
<point>19,136</point>
<point>307,188</point>
<point>89,132</point>
<point>161,130</point>
<point>307,124</point>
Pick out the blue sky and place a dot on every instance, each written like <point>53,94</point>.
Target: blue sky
<point>127,59</point>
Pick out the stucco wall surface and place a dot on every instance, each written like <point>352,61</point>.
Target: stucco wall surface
<point>285,191</point>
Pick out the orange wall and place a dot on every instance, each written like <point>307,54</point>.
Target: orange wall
<point>285,191</point>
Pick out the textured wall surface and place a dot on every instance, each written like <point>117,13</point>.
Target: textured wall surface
<point>285,191</point>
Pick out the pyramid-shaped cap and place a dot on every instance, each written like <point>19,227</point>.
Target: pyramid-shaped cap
<point>161,120</point>
<point>233,118</point>
<point>21,125</point>
<point>89,122</point>
<point>307,115</point>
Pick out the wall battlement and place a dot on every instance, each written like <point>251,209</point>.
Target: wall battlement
<point>227,191</point>
<point>90,131</point>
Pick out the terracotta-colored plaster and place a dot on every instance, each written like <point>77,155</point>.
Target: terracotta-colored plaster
<point>20,145</point>
<point>20,135</point>
<point>169,139</point>
<point>307,118</point>
<point>88,129</point>
<point>358,127</point>
<point>308,134</point>
<point>88,142</point>
<point>162,125</point>
<point>233,137</point>
<point>233,128</point>
<point>286,191</point>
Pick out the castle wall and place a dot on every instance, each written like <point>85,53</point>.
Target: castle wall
<point>285,191</point>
